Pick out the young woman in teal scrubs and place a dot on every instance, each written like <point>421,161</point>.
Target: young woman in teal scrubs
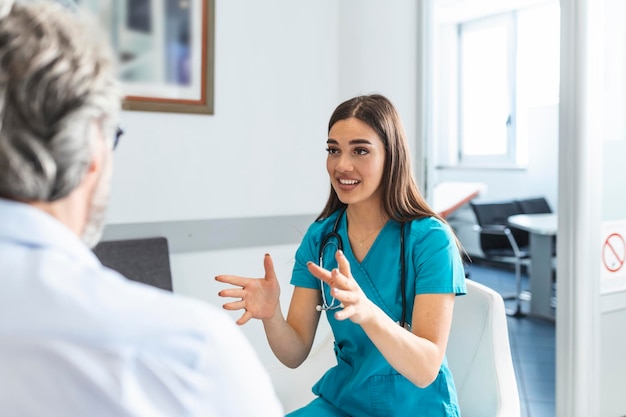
<point>383,368</point>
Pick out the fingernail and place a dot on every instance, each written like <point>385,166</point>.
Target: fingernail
<point>340,252</point>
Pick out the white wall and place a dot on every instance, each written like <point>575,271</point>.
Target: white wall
<point>281,68</point>
<point>262,152</point>
<point>378,53</point>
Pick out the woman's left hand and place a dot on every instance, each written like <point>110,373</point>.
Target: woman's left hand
<point>356,306</point>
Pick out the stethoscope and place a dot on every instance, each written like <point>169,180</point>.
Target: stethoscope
<point>338,243</point>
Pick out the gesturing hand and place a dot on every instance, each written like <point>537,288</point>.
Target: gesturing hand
<point>259,297</point>
<point>357,307</point>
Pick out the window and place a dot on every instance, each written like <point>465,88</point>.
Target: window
<point>487,91</point>
<point>491,73</point>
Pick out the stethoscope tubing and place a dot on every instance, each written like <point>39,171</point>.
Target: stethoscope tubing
<point>326,240</point>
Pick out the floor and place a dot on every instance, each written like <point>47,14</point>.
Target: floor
<point>532,344</point>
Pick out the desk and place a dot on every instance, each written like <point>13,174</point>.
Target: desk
<point>542,227</point>
<point>450,196</point>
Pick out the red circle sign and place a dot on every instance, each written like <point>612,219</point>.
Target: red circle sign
<point>614,252</point>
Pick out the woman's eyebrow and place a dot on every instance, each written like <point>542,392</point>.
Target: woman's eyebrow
<point>360,142</point>
<point>351,142</point>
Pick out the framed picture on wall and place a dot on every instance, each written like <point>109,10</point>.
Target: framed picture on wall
<point>164,50</point>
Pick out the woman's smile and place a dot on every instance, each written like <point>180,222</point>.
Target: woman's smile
<point>347,184</point>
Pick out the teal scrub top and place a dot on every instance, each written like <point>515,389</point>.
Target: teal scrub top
<point>363,383</point>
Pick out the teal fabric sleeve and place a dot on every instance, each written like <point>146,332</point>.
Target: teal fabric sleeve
<point>436,261</point>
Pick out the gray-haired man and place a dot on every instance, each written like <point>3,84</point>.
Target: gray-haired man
<point>77,339</point>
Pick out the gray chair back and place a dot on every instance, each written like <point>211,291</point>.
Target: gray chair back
<point>142,260</point>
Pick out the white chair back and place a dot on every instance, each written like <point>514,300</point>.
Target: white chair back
<point>479,355</point>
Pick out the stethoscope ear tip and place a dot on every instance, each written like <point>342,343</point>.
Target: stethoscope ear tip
<point>318,307</point>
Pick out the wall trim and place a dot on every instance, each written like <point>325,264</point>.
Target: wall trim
<point>216,234</point>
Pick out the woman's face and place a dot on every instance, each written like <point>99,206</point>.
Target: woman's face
<point>355,163</point>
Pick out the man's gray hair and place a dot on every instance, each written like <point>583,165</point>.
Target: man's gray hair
<point>56,79</point>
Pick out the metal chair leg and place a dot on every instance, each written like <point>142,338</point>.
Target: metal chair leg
<point>517,312</point>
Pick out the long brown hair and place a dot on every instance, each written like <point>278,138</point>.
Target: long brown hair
<point>401,199</point>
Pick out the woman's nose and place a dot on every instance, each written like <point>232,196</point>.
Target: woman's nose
<point>344,163</point>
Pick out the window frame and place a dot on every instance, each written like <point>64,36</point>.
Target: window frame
<point>509,158</point>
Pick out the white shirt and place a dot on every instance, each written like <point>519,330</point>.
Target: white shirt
<point>78,339</point>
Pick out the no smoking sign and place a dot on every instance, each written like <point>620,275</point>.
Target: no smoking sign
<point>613,256</point>
<point>614,252</point>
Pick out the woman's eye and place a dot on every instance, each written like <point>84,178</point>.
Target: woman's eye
<point>361,151</point>
<point>332,151</point>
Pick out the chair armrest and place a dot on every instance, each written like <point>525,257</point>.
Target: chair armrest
<point>501,230</point>
<point>493,229</point>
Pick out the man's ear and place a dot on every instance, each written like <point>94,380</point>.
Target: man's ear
<point>98,158</point>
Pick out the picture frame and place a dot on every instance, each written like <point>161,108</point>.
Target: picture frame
<point>165,52</point>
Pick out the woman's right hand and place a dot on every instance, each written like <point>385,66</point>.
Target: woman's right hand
<point>258,297</point>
